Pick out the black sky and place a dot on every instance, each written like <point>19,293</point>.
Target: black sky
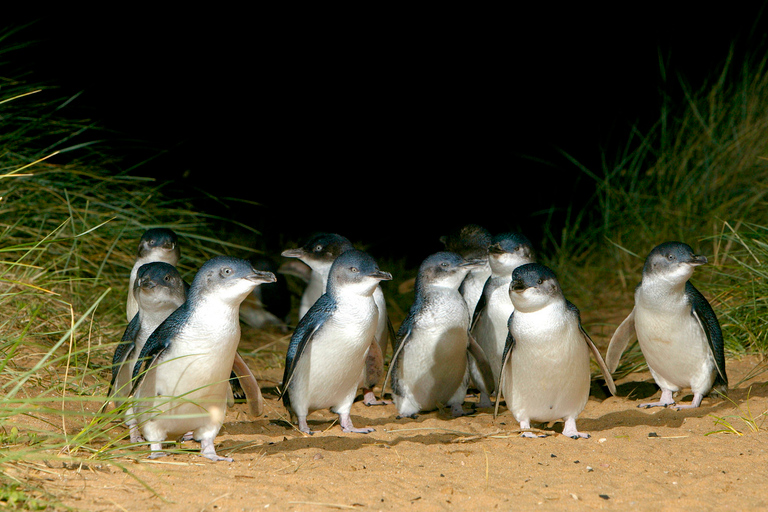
<point>429,119</point>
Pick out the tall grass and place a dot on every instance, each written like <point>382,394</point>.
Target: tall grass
<point>699,175</point>
<point>70,218</point>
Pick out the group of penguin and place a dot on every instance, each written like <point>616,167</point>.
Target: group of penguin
<point>485,316</point>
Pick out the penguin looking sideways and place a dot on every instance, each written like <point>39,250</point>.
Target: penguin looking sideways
<point>187,360</point>
<point>435,355</point>
<point>319,253</point>
<point>326,357</point>
<point>545,373</point>
<point>489,323</point>
<point>676,328</point>
<point>155,244</point>
<point>471,242</point>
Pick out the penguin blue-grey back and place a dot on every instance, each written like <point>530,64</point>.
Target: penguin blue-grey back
<point>676,328</point>
<point>326,357</point>
<point>489,323</point>
<point>545,373</point>
<point>155,244</point>
<point>188,359</point>
<point>434,356</point>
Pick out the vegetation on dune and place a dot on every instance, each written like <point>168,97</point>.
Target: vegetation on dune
<point>70,217</point>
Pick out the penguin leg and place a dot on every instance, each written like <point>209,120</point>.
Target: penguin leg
<point>666,399</point>
<point>526,425</point>
<point>485,400</point>
<point>208,450</point>
<point>135,433</point>
<point>571,431</point>
<point>697,397</point>
<point>374,370</point>
<point>302,421</point>
<point>347,426</point>
<point>456,402</point>
<point>157,451</point>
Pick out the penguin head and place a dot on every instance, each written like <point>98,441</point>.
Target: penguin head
<point>672,261</point>
<point>159,244</point>
<point>321,250</point>
<point>355,271</point>
<point>469,242</point>
<point>445,269</point>
<point>227,279</point>
<point>533,286</point>
<point>508,251</point>
<point>158,283</point>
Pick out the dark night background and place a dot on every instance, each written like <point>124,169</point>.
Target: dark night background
<point>430,119</point>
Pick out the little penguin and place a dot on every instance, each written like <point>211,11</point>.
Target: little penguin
<point>319,253</point>
<point>158,290</point>
<point>188,358</point>
<point>471,242</point>
<point>156,244</point>
<point>435,355</point>
<point>676,328</point>
<point>489,324</point>
<point>326,357</point>
<point>545,373</point>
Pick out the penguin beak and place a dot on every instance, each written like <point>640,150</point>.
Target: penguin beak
<point>382,276</point>
<point>496,249</point>
<point>147,283</point>
<point>292,253</point>
<point>697,260</point>
<point>260,276</point>
<point>473,263</point>
<point>517,286</point>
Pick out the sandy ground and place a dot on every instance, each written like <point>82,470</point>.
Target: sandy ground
<point>657,459</point>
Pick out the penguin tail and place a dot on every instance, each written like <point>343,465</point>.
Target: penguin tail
<point>720,386</point>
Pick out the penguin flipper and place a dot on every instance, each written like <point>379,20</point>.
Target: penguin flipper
<point>705,315</point>
<point>600,362</point>
<point>619,341</point>
<point>250,386</point>
<point>508,347</point>
<point>479,368</point>
<point>309,324</point>
<point>404,334</point>
<point>482,301</point>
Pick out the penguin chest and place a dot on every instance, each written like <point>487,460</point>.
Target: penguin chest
<point>330,369</point>
<point>434,361</point>
<point>491,329</point>
<point>674,345</point>
<point>548,375</point>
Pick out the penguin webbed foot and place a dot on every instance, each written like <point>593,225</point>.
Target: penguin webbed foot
<point>531,435</point>
<point>369,399</point>
<point>484,402</point>
<point>348,427</point>
<point>208,451</point>
<point>303,427</point>
<point>457,410</point>
<point>696,402</point>
<point>665,400</point>
<point>571,431</point>
<point>407,416</point>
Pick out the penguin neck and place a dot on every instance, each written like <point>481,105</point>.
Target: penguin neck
<point>660,290</point>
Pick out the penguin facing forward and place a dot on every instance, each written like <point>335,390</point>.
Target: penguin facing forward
<point>545,374</point>
<point>187,360</point>
<point>319,253</point>
<point>156,244</point>
<point>490,320</point>
<point>158,290</point>
<point>435,354</point>
<point>471,242</point>
<point>327,353</point>
<point>676,328</point>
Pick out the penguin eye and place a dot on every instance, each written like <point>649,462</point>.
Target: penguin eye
<point>444,264</point>
<point>318,248</point>
<point>354,270</point>
<point>671,256</point>
<point>226,271</point>
<point>167,278</point>
<point>540,281</point>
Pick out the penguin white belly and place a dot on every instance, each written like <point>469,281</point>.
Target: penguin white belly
<point>676,351</point>
<point>189,383</point>
<point>381,322</point>
<point>315,288</point>
<point>548,376</point>
<point>328,372</point>
<point>491,329</point>
<point>472,287</point>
